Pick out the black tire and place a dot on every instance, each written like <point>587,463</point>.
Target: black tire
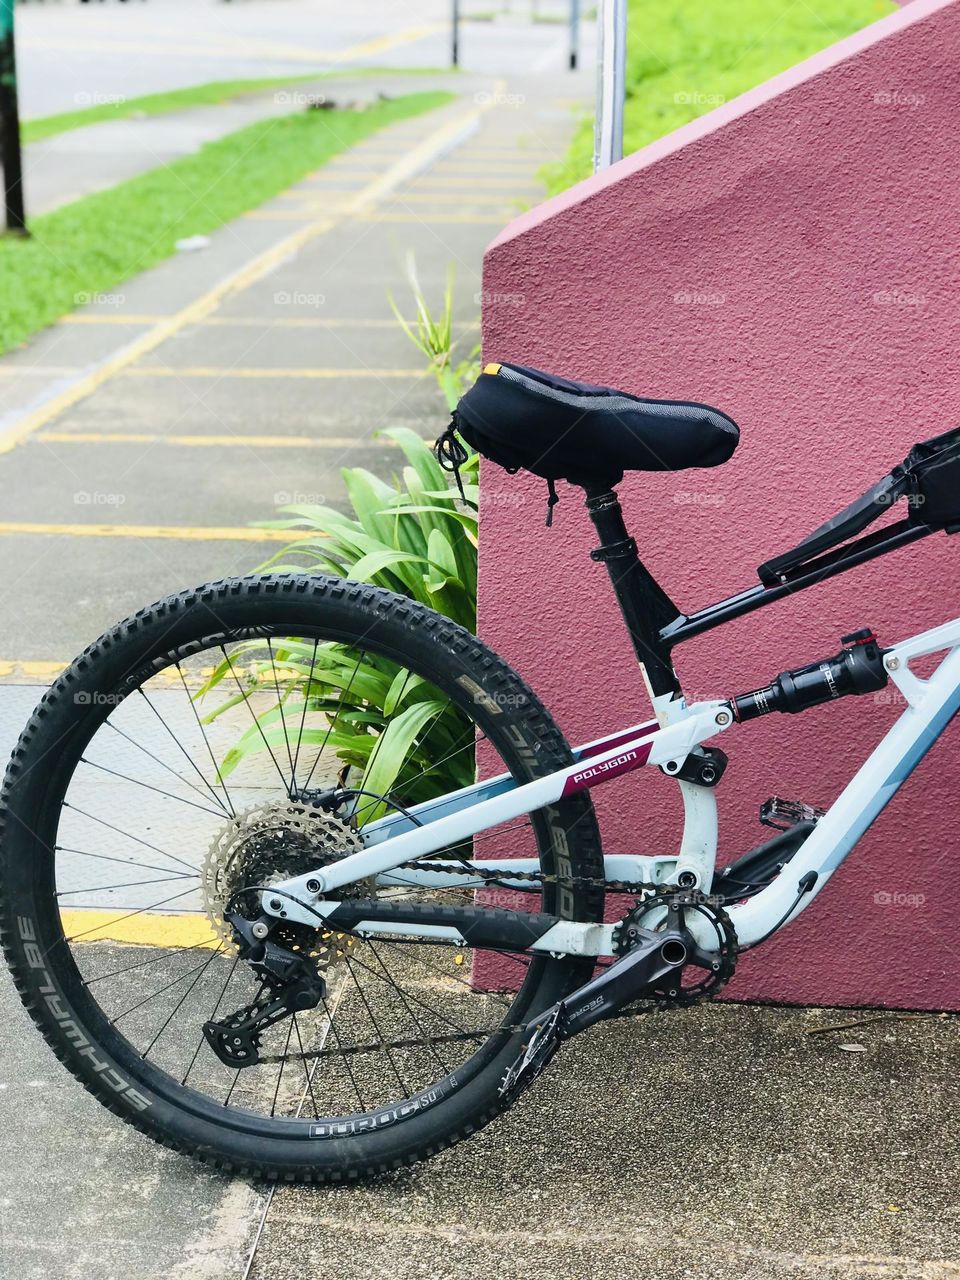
<point>42,962</point>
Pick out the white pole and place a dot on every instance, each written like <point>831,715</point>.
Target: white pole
<point>611,83</point>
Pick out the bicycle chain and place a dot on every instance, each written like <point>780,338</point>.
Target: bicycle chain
<point>639,890</point>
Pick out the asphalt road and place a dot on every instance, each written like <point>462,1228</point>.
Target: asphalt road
<point>72,55</point>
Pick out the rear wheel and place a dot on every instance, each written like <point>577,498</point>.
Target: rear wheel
<point>186,759</point>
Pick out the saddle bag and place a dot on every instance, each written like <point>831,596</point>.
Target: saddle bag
<point>928,479</point>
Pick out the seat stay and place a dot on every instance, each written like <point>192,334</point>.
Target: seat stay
<point>428,811</point>
<point>295,901</point>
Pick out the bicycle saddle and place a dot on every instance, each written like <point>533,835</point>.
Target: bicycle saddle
<point>563,430</point>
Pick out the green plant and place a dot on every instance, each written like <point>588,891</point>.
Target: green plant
<point>433,337</point>
<point>410,535</point>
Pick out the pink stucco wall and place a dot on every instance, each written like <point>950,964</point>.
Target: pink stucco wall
<point>792,258</point>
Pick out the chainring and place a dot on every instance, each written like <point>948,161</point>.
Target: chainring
<point>666,906</point>
<point>266,844</point>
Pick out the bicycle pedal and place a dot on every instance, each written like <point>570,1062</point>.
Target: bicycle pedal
<point>537,1052</point>
<point>782,814</point>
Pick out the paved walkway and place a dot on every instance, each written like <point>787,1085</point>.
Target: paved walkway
<point>156,424</point>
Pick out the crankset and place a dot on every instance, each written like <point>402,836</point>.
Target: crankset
<point>658,959</point>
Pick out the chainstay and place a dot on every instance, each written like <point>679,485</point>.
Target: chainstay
<point>625,887</point>
<point>630,888</point>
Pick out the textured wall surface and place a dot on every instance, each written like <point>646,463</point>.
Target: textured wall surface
<point>792,258</point>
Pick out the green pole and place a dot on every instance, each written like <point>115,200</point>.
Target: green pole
<point>10,157</point>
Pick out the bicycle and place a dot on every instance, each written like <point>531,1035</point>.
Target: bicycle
<point>247,886</point>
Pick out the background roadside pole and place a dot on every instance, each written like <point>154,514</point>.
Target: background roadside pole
<point>611,83</point>
<point>10,157</point>
<point>574,33</point>
<point>455,39</point>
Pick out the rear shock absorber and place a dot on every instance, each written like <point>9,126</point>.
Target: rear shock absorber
<point>857,669</point>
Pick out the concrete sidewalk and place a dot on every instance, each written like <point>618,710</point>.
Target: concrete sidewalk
<point>158,423</point>
<point>719,1142</point>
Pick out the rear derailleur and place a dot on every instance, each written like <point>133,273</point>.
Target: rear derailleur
<point>290,984</point>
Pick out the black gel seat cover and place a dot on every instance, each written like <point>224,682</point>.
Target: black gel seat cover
<point>563,430</point>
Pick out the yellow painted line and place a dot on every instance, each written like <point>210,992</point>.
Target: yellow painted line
<point>102,317</point>
<point>232,48</point>
<point>450,183</point>
<point>269,322</point>
<point>452,197</point>
<point>37,370</point>
<point>30,671</point>
<point>432,220</point>
<point>405,168</point>
<point>166,371</point>
<point>213,441</point>
<point>323,179</point>
<point>178,533</point>
<point>144,929</point>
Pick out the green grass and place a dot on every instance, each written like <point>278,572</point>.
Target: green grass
<point>686,59</point>
<point>197,95</point>
<point>92,245</point>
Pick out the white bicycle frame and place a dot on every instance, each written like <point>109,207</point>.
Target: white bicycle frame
<point>395,840</point>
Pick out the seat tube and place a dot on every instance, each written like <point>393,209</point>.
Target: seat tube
<point>645,606</point>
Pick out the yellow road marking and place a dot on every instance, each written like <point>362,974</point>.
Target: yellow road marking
<point>167,371</point>
<point>231,48</point>
<point>451,183</point>
<point>49,370</point>
<point>431,220</point>
<point>102,317</point>
<point>268,322</point>
<point>145,929</point>
<point>211,441</point>
<point>30,671</point>
<point>452,197</point>
<point>200,308</point>
<point>180,533</point>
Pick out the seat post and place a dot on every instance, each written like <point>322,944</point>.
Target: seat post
<point>645,606</point>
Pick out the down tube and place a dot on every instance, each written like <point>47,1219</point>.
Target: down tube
<point>871,789</point>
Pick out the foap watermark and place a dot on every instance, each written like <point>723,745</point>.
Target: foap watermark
<point>697,98</point>
<point>491,298</point>
<point>505,701</point>
<point>299,298</point>
<point>699,298</point>
<point>85,299</point>
<point>294,498</point>
<point>509,499</point>
<point>486,98</point>
<point>899,298</point>
<point>96,698</point>
<point>92,98</point>
<point>297,98</point>
<point>899,98</point>
<point>86,498</point>
<point>895,898</point>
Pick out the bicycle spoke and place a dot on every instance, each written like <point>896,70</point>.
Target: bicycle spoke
<point>183,751</point>
<point>163,764</point>
<point>137,782</point>
<point>206,743</point>
<point>291,790</point>
<point>128,835</point>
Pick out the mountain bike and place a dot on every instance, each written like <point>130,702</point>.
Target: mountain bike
<point>300,878</point>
